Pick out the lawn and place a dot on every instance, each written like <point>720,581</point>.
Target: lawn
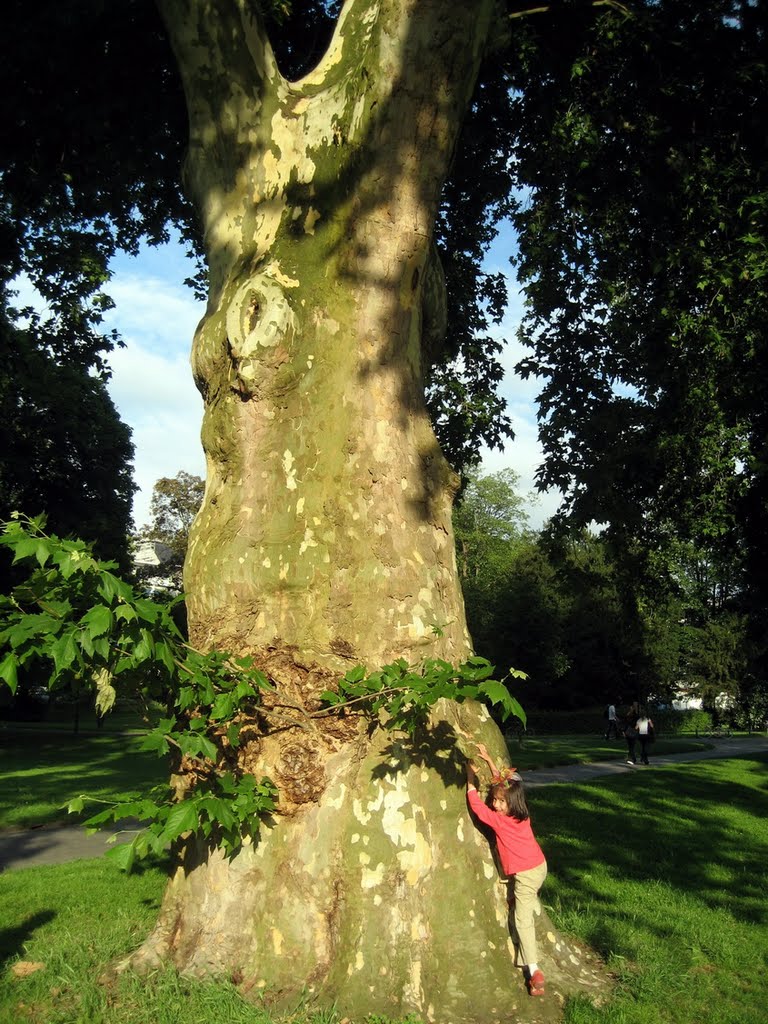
<point>663,873</point>
<point>549,751</point>
<point>41,771</point>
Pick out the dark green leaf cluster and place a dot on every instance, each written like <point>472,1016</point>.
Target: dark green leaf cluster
<point>404,695</point>
<point>224,811</point>
<point>63,448</point>
<point>78,622</point>
<point>463,385</point>
<point>641,140</point>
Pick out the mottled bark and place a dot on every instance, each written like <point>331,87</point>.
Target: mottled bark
<point>325,536</point>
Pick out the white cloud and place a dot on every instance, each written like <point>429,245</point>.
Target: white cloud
<point>523,454</point>
<point>151,385</point>
<point>156,396</point>
<point>162,314</point>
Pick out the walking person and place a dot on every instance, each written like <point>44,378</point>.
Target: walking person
<point>645,734</point>
<point>613,722</point>
<point>522,859</point>
<point>630,732</point>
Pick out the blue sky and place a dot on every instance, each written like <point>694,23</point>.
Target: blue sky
<point>152,387</point>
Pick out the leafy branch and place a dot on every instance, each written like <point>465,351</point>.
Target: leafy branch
<point>406,694</point>
<point>75,620</point>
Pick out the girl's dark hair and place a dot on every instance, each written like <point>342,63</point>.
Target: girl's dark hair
<point>513,794</point>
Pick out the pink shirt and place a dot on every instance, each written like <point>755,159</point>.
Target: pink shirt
<point>517,846</point>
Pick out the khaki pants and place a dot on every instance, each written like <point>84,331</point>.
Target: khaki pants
<point>524,894</point>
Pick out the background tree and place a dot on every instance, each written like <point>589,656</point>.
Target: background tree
<point>553,607</point>
<point>644,164</point>
<point>63,447</point>
<point>174,505</point>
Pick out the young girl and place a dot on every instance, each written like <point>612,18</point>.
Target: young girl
<point>521,857</point>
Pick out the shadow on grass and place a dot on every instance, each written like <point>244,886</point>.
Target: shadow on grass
<point>40,774</point>
<point>13,940</point>
<point>688,827</point>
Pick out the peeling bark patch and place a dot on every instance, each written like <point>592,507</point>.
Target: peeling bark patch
<point>289,470</point>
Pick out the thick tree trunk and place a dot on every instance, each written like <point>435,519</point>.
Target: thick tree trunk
<point>325,536</point>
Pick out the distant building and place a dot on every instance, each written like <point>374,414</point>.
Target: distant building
<point>152,561</point>
<point>151,552</point>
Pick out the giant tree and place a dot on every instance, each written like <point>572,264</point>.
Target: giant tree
<point>325,537</point>
<point>325,534</point>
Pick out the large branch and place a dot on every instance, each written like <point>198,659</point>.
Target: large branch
<point>229,74</point>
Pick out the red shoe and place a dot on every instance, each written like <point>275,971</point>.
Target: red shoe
<point>536,984</point>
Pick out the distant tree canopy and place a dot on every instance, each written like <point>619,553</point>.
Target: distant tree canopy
<point>644,257</point>
<point>63,448</point>
<point>175,503</point>
<point>589,620</point>
<point>551,608</point>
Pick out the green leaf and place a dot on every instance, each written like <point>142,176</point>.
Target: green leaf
<point>163,654</point>
<point>148,610</point>
<point>476,669</point>
<point>355,675</point>
<point>8,670</point>
<point>63,652</point>
<point>42,552</point>
<point>155,740</point>
<point>183,818</point>
<point>223,707</point>
<point>143,650</point>
<point>24,548</point>
<point>124,855</point>
<point>126,613</point>
<point>201,745</point>
<point>97,620</point>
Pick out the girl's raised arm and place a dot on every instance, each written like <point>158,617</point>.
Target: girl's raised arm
<point>488,760</point>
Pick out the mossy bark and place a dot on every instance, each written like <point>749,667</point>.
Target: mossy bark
<point>325,535</point>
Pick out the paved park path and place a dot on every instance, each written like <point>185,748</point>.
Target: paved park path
<point>56,844</point>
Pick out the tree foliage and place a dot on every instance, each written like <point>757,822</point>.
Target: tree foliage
<point>643,254</point>
<point>83,626</point>
<point>63,447</point>
<point>174,505</point>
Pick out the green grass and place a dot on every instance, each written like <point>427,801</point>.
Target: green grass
<point>59,716</point>
<point>77,919</point>
<point>42,769</point>
<point>39,772</point>
<point>551,751</point>
<point>662,872</point>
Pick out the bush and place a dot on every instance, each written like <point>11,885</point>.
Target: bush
<point>584,721</point>
<point>590,721</point>
<point>675,723</point>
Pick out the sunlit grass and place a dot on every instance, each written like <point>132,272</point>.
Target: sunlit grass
<point>550,751</point>
<point>663,873</point>
<point>41,772</point>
